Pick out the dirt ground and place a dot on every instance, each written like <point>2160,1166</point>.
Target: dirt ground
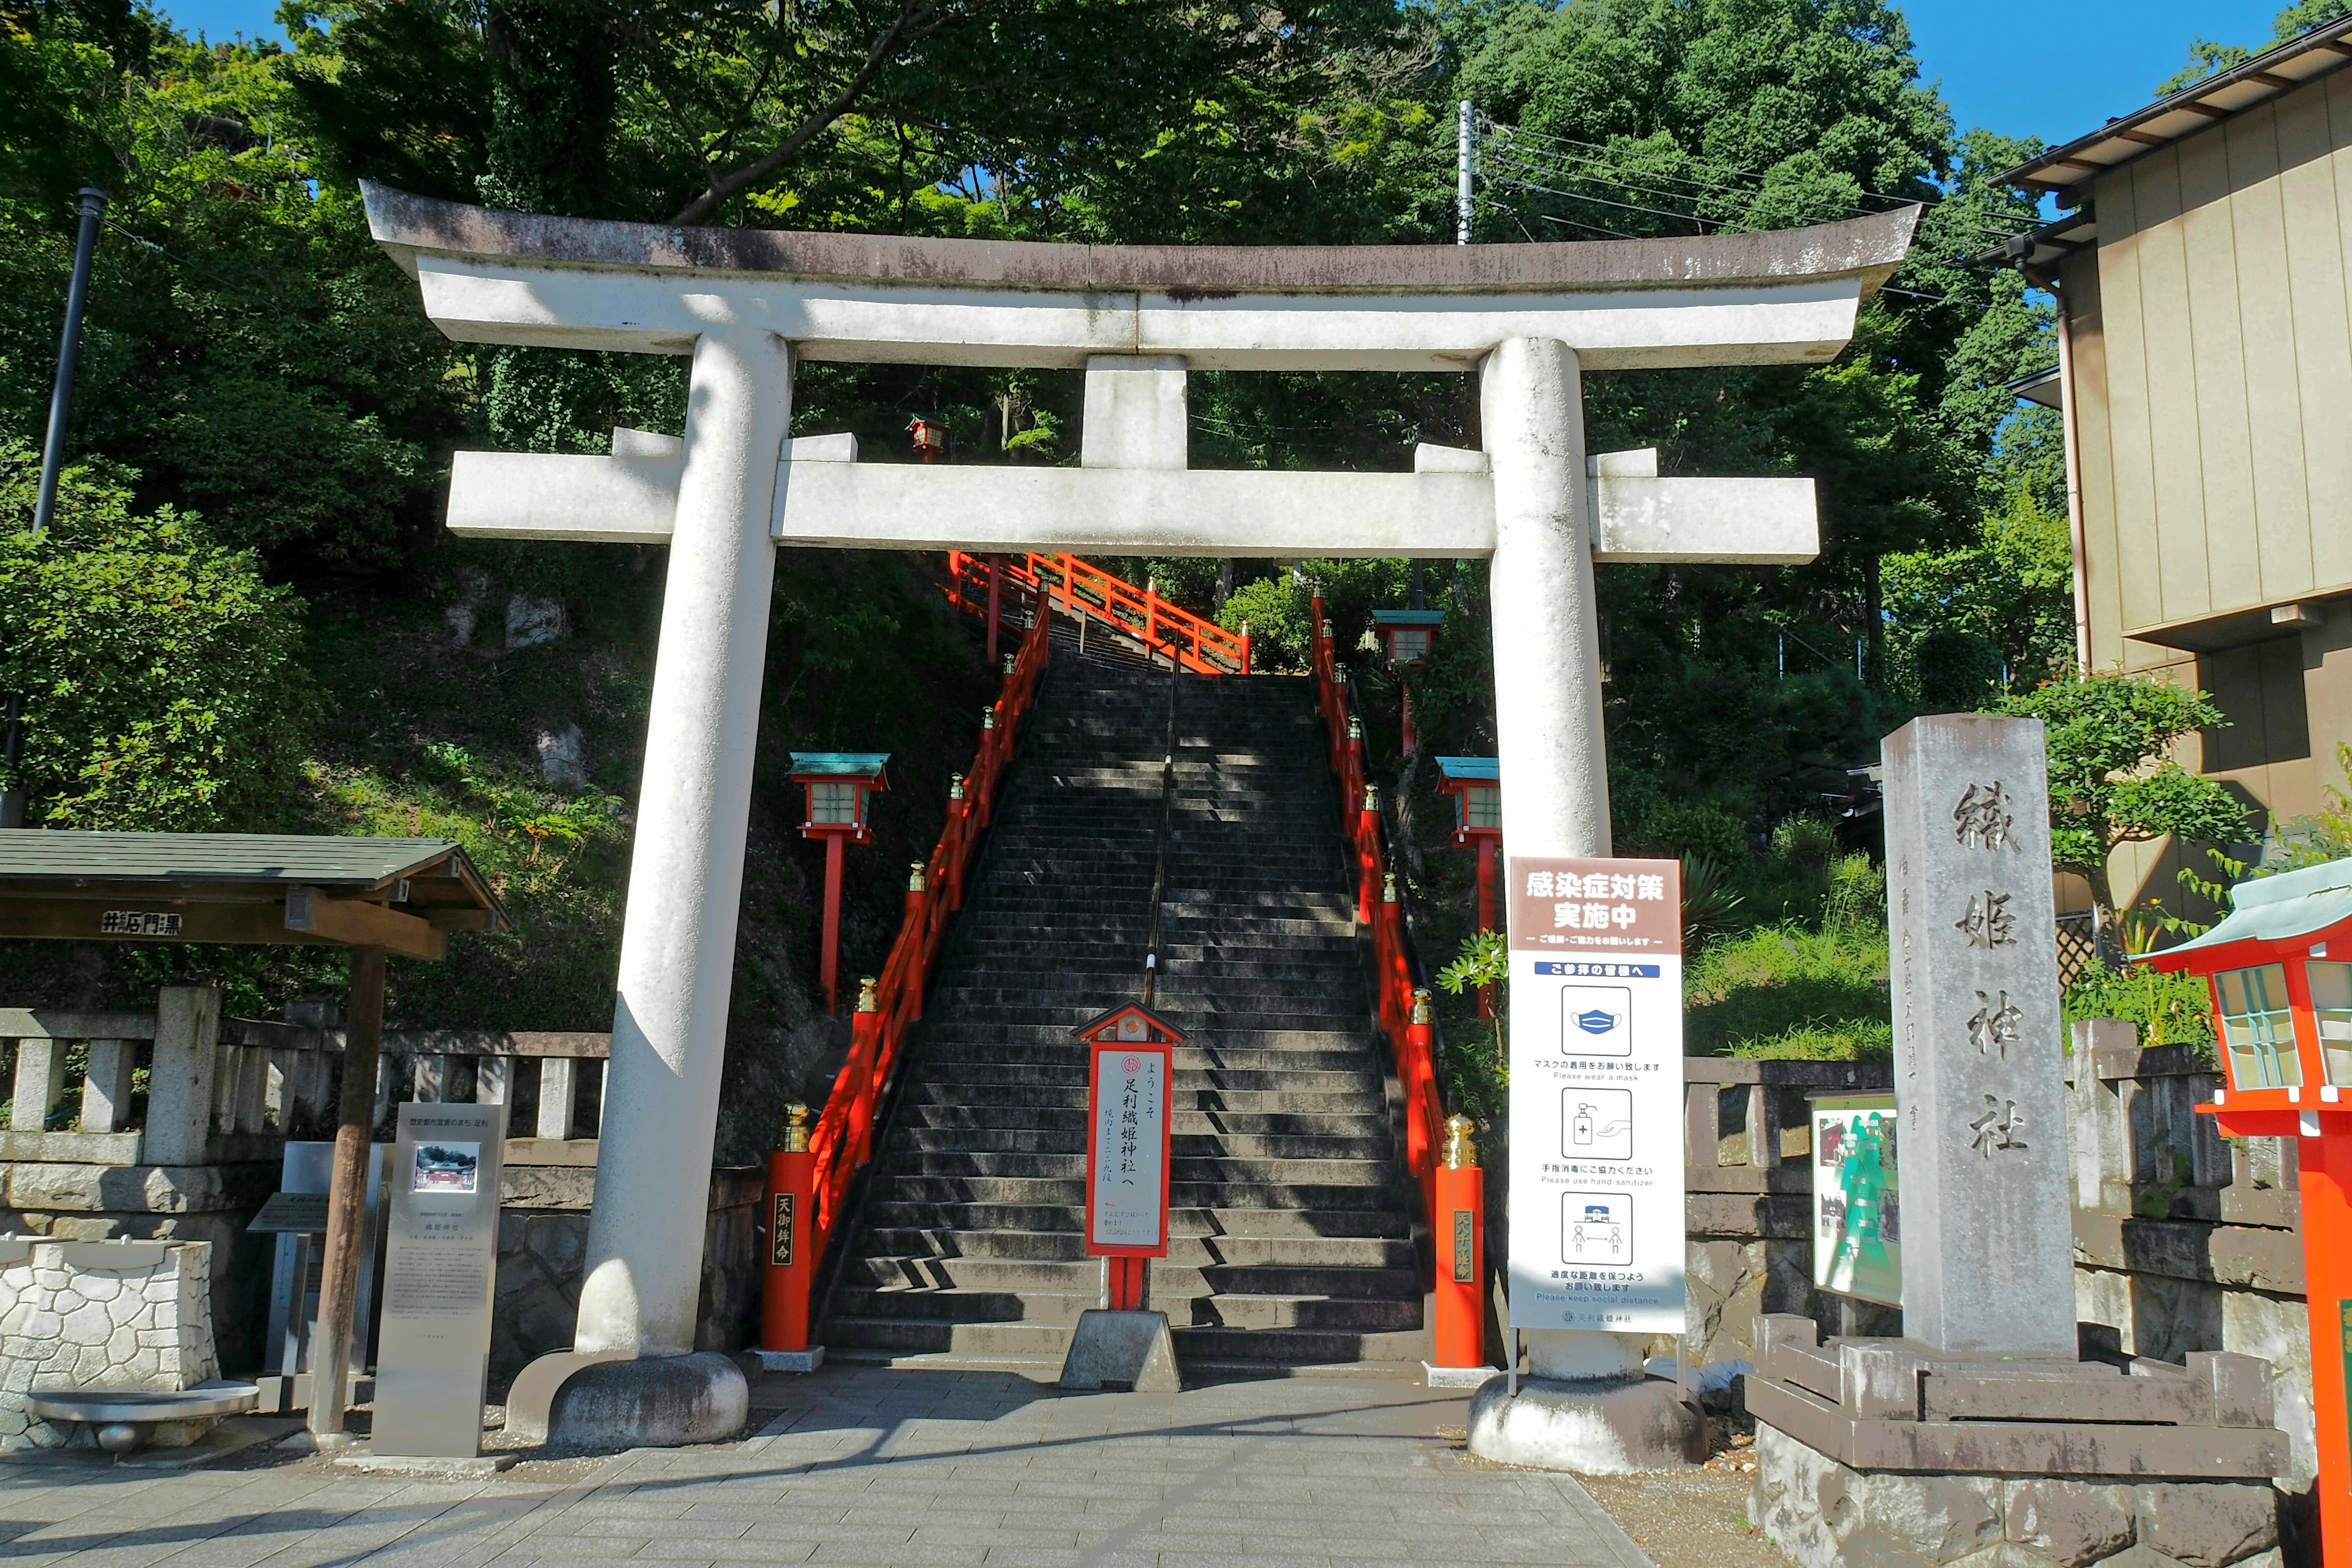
<point>1689,1518</point>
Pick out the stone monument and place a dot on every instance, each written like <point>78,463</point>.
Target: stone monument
<point>440,1257</point>
<point>1980,1435</point>
<point>1980,1070</point>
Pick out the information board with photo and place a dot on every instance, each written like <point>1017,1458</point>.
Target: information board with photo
<point>1596,1040</point>
<point>1857,1198</point>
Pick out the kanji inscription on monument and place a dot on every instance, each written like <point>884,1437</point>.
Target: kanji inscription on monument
<point>1987,1260</point>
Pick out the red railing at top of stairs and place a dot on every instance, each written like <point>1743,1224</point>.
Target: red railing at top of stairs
<point>1084,589</point>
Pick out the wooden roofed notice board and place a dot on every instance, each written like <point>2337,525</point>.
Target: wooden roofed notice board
<point>1596,1040</point>
<point>376,897</point>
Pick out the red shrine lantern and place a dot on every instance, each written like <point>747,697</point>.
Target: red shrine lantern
<point>839,784</point>
<point>2280,966</point>
<point>929,435</point>
<point>1476,785</point>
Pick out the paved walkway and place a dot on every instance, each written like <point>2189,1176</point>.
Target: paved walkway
<point>863,1466</point>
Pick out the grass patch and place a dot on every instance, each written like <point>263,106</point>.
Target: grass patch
<point>1789,992</point>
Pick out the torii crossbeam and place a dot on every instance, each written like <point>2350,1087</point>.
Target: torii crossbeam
<point>746,304</point>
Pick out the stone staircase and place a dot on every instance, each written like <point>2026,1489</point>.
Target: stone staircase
<point>1291,1239</point>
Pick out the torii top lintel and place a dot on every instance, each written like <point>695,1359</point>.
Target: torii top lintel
<point>1782,296</point>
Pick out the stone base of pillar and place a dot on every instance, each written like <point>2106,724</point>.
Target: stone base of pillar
<point>1130,1352</point>
<point>660,1402</point>
<point>1826,1514</point>
<point>1592,1426</point>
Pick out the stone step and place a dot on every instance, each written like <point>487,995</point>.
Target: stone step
<point>1170,1280</point>
<point>934,1119</point>
<point>920,1187</point>
<point>1193,1249</point>
<point>961,1308</point>
<point>897,1210</point>
<point>983,1098</point>
<point>906,1143</point>
<point>1183,1169</point>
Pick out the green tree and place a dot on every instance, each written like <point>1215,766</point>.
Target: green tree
<point>160,674</point>
<point>2112,781</point>
<point>1990,617</point>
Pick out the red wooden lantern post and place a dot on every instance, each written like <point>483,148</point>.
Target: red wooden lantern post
<point>1476,785</point>
<point>1406,637</point>
<point>792,1188</point>
<point>839,783</point>
<point>1460,1336</point>
<point>2281,970</point>
<point>1131,1076</point>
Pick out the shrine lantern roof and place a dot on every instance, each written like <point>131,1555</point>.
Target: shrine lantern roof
<point>1408,617</point>
<point>864,765</point>
<point>2291,907</point>
<point>1132,1023</point>
<point>1471,770</point>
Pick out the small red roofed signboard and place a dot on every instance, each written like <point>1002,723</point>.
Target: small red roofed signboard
<point>1130,1065</point>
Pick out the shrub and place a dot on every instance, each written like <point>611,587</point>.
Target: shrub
<point>157,668</point>
<point>2170,1009</point>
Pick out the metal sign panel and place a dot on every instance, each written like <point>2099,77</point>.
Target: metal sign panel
<point>1596,1034</point>
<point>439,1269</point>
<point>1127,1142</point>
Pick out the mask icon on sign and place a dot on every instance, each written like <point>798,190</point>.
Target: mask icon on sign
<point>1596,1020</point>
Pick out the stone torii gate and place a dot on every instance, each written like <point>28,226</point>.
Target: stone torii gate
<point>747,303</point>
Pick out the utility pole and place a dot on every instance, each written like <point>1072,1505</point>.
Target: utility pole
<point>1463,128</point>
<point>53,452</point>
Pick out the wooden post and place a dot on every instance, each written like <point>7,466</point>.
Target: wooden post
<point>1459,1337</point>
<point>1485,911</point>
<point>995,584</point>
<point>915,918</point>
<point>829,959</point>
<point>1368,838</point>
<point>339,1274</point>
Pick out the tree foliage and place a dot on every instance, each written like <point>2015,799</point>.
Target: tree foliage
<point>161,669</point>
<point>2112,779</point>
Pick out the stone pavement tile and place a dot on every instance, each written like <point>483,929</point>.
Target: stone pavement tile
<point>906,1554</point>
<point>1058,1557</point>
<point>847,1532</point>
<point>1342,1548</point>
<point>668,1529</point>
<point>1015,1532</point>
<point>1240,1560</point>
<point>662,1551</point>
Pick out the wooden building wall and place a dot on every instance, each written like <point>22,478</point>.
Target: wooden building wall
<point>2212,339</point>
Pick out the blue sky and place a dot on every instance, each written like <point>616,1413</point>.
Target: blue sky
<point>2055,69</point>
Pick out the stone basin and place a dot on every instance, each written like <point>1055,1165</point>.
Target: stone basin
<point>126,1417</point>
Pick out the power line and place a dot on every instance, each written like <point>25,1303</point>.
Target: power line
<point>1739,178</point>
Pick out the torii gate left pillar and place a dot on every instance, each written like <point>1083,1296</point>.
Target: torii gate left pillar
<point>745,304</point>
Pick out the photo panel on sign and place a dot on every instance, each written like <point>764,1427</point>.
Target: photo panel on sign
<point>1596,1123</point>
<point>1597,1229</point>
<point>1596,1020</point>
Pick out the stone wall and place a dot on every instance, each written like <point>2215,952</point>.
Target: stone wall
<point>1826,1515</point>
<point>2183,1240</point>
<point>81,1314</point>
<point>544,1235</point>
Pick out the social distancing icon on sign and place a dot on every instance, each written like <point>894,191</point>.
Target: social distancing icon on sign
<point>1597,1229</point>
<point>1596,1020</point>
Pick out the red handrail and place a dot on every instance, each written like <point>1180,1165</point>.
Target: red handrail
<point>1404,1011</point>
<point>842,1138</point>
<point>1081,588</point>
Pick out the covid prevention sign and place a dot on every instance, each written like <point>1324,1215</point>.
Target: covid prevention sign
<point>1596,1036</point>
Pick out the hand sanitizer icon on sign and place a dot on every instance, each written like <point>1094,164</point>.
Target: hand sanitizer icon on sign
<point>1596,1021</point>
<point>1597,1229</point>
<point>1599,1123</point>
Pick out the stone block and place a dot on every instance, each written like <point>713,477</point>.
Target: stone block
<point>2209,1525</point>
<point>1129,1350</point>
<point>1827,1515</point>
<point>1591,1427</point>
<point>2278,1330</point>
<point>2073,1522</point>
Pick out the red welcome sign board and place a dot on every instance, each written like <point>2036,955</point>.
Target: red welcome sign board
<point>1129,1075</point>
